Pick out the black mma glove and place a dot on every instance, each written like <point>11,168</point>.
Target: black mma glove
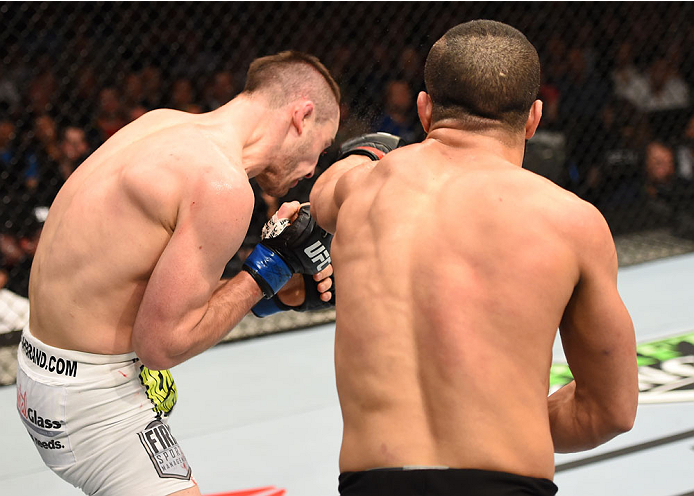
<point>372,145</point>
<point>312,300</point>
<point>301,246</point>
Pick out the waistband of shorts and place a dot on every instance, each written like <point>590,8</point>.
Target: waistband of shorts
<point>43,357</point>
<point>489,479</point>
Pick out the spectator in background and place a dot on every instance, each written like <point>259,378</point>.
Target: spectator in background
<point>220,91</point>
<point>42,158</point>
<point>351,125</point>
<point>52,159</point>
<point>86,85</point>
<point>11,175</point>
<point>660,166</point>
<point>614,181</point>
<point>133,93</point>
<point>549,94</point>
<point>545,153</point>
<point>670,197</point>
<point>411,68</point>
<point>133,97</point>
<point>688,55</point>
<point>361,89</point>
<point>74,150</point>
<point>661,174</point>
<point>18,246</point>
<point>662,89</point>
<point>11,78</point>
<point>11,256</point>
<point>14,309</point>
<point>584,39</point>
<point>110,117</point>
<point>41,93</point>
<point>10,251</point>
<point>685,151</point>
<point>399,116</point>
<point>7,135</point>
<point>625,77</point>
<point>554,61</point>
<point>151,87</point>
<point>10,97</point>
<point>28,236</point>
<point>341,64</point>
<point>582,94</point>
<point>183,98</point>
<point>83,96</point>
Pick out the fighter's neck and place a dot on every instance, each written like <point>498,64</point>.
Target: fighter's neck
<point>488,143</point>
<point>246,131</point>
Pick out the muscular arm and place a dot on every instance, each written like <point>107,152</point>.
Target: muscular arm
<point>184,310</point>
<point>334,185</point>
<point>598,339</point>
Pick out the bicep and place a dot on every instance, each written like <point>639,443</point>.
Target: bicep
<point>208,232</point>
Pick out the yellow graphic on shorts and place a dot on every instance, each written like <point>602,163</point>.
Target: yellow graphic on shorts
<point>160,388</point>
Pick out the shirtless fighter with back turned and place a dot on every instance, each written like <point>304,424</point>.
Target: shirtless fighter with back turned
<point>454,267</point>
<point>126,279</point>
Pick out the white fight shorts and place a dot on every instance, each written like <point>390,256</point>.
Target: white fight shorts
<point>99,421</point>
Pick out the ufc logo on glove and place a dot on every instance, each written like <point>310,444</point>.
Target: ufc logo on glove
<point>318,253</point>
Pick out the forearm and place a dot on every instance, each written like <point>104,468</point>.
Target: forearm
<point>230,302</point>
<point>578,424</point>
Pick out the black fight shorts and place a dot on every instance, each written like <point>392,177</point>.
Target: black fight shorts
<point>441,482</point>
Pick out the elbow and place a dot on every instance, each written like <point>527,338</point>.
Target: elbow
<point>623,419</point>
<point>617,419</point>
<point>152,354</point>
<point>624,409</point>
<point>155,361</point>
<point>614,426</point>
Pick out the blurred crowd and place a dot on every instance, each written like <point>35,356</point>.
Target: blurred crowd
<point>617,129</point>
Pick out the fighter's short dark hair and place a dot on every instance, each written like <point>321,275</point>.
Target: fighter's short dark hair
<point>483,73</point>
<point>292,74</point>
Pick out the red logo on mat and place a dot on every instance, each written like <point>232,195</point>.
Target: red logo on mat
<point>261,491</point>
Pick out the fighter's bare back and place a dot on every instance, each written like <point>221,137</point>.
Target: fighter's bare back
<point>448,362</point>
<point>113,219</point>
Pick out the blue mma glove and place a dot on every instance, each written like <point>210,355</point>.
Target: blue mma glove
<point>285,248</point>
<point>312,300</point>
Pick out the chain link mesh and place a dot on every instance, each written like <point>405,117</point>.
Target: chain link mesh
<point>617,79</point>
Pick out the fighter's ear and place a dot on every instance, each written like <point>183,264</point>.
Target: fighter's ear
<point>424,108</point>
<point>301,111</point>
<point>533,119</point>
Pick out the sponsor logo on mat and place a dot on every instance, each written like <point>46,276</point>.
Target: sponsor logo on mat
<point>666,370</point>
